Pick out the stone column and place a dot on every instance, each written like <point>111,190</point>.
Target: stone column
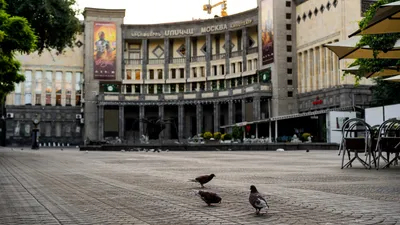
<point>299,73</point>
<point>245,43</point>
<point>256,108</point>
<point>227,51</point>
<point>187,60</point>
<point>141,116</point>
<point>181,121</point>
<point>145,61</point>
<point>315,70</point>
<point>321,67</point>
<point>121,124</point>
<point>101,122</point>
<point>335,72</point>
<point>199,116</point>
<point>167,60</point>
<point>230,114</point>
<point>328,68</point>
<point>208,54</point>
<point>161,116</point>
<point>244,110</point>
<point>217,123</point>
<point>304,77</point>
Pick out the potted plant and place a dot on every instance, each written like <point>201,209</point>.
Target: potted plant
<point>217,136</point>
<point>227,138</point>
<point>208,136</point>
<point>237,133</point>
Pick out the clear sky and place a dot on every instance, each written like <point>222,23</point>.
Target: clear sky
<point>163,11</point>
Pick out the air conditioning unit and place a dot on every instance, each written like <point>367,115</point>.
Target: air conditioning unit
<point>82,120</point>
<point>10,115</point>
<point>78,116</point>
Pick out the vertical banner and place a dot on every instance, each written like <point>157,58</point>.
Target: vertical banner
<point>267,32</point>
<point>105,50</point>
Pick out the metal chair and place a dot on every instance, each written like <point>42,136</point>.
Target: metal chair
<point>389,142</point>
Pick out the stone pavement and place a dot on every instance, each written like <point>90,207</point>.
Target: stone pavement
<point>50,186</point>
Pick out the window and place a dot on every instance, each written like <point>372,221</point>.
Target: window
<point>289,59</point>
<point>28,87</point>
<point>290,93</point>
<point>288,16</point>
<point>137,88</point>
<point>239,81</point>
<point>288,26</point>
<point>249,65</point>
<point>249,80</point>
<point>78,88</point>
<point>68,88</point>
<point>17,95</point>
<point>151,74</point>
<point>240,67</point>
<point>129,74</point>
<point>222,67</point>
<point>215,73</point>
<point>232,82</point>
<point>202,71</point>
<point>222,84</point>
<point>160,74</point>
<point>181,87</point>
<point>128,88</point>
<point>49,86</point>
<point>38,88</point>
<point>173,73</point>
<point>151,88</point>
<point>290,82</point>
<point>182,73</point>
<point>233,68</point>
<point>194,86</point>
<point>289,48</point>
<point>194,71</point>
<point>288,4</point>
<point>214,85</point>
<point>159,89</point>
<point>289,71</point>
<point>137,74</point>
<point>173,88</point>
<point>288,37</point>
<point>58,87</point>
<point>202,86</point>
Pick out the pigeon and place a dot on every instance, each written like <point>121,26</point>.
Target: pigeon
<point>256,200</point>
<point>203,179</point>
<point>209,197</point>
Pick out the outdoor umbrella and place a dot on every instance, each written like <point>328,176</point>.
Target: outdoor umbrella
<point>348,49</point>
<point>389,71</point>
<point>394,79</point>
<point>385,20</point>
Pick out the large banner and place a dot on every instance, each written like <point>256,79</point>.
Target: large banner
<point>267,32</point>
<point>105,50</point>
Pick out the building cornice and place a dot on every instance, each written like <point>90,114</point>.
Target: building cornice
<point>110,13</point>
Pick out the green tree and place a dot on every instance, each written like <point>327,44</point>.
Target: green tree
<point>16,35</point>
<point>54,21</point>
<point>384,91</point>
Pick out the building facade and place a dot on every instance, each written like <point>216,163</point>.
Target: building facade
<point>321,84</point>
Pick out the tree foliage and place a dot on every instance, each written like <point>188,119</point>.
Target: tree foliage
<point>384,91</point>
<point>53,21</point>
<point>16,35</point>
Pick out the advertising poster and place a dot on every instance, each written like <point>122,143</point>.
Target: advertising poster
<point>105,50</point>
<point>267,32</point>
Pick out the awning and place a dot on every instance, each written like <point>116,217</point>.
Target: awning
<point>394,79</point>
<point>389,71</point>
<point>290,116</point>
<point>385,20</point>
<point>348,49</point>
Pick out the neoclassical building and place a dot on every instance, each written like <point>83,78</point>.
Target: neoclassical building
<point>201,75</point>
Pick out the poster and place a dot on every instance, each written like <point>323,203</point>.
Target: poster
<point>105,50</point>
<point>267,32</point>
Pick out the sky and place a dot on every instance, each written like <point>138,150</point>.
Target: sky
<point>164,11</point>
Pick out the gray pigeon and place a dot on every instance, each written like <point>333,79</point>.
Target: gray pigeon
<point>256,200</point>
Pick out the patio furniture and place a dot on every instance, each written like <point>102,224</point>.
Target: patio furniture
<point>389,142</point>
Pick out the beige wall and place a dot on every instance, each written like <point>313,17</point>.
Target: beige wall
<point>70,62</point>
<point>318,67</point>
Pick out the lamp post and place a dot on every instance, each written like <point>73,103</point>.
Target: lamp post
<point>35,132</point>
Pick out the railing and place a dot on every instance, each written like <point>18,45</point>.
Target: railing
<point>178,60</point>
<point>198,58</point>
<point>219,56</point>
<point>156,61</point>
<point>133,61</point>
<point>236,54</point>
<point>252,50</point>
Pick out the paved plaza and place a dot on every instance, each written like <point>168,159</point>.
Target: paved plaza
<point>50,186</point>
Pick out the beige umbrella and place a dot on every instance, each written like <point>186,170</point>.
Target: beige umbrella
<point>389,71</point>
<point>385,20</point>
<point>394,79</point>
<point>348,49</point>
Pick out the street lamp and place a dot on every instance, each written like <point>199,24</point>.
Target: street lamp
<point>35,132</point>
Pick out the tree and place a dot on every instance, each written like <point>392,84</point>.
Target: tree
<point>53,21</point>
<point>16,35</point>
<point>384,91</point>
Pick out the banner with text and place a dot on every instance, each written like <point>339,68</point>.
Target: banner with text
<point>105,50</point>
<point>267,32</point>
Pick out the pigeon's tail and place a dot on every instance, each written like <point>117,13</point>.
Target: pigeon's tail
<point>192,180</point>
